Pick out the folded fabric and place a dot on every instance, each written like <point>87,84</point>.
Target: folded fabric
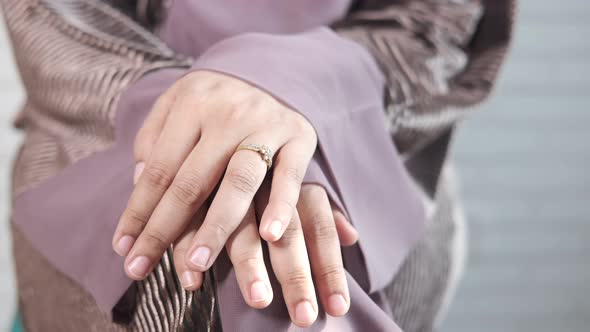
<point>333,82</point>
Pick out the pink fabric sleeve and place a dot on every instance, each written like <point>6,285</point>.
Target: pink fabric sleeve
<point>336,84</point>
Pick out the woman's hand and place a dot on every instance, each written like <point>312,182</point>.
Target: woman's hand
<point>186,145</point>
<point>314,230</point>
<point>184,148</point>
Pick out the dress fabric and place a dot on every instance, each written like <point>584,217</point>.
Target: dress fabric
<point>57,135</point>
<point>419,293</point>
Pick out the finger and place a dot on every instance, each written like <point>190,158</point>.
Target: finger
<point>177,139</point>
<point>323,245</point>
<point>288,172</point>
<point>193,183</point>
<point>244,174</point>
<point>347,234</point>
<point>150,131</point>
<point>245,252</point>
<point>290,264</point>
<point>190,280</point>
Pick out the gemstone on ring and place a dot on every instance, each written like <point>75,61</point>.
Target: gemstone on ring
<point>263,150</point>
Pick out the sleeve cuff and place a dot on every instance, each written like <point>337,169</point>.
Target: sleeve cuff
<point>338,87</point>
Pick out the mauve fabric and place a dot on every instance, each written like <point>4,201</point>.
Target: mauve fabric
<point>80,206</point>
<point>338,87</point>
<point>333,82</point>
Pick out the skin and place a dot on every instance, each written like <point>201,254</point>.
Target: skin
<point>195,191</point>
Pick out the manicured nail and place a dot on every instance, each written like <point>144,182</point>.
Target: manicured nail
<point>337,304</point>
<point>138,169</point>
<point>200,257</point>
<point>258,291</point>
<point>275,228</point>
<point>304,313</point>
<point>188,280</point>
<point>124,245</point>
<point>139,266</point>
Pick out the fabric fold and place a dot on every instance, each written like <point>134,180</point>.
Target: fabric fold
<point>332,81</point>
<point>339,88</point>
<point>71,217</point>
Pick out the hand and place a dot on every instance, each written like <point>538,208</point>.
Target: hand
<point>312,230</point>
<point>186,145</point>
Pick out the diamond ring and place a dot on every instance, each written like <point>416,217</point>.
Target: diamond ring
<point>264,151</point>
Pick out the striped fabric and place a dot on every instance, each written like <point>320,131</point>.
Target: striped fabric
<point>73,73</point>
<point>76,57</point>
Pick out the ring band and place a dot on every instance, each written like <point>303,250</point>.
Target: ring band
<point>264,151</point>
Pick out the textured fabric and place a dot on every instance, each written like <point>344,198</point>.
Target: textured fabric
<point>425,284</point>
<point>71,95</point>
<point>233,310</point>
<point>435,69</point>
<point>441,58</point>
<point>418,292</point>
<point>49,148</point>
<point>68,114</point>
<point>62,202</point>
<point>50,301</point>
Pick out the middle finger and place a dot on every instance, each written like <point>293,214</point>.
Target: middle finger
<point>245,252</point>
<point>175,142</point>
<point>191,186</point>
<point>321,238</point>
<point>290,264</point>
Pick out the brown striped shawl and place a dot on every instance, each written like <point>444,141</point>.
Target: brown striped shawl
<point>76,57</point>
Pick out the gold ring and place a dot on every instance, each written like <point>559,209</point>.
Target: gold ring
<point>264,151</point>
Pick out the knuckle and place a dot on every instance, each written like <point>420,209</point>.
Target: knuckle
<point>158,175</point>
<point>237,111</point>
<point>187,190</point>
<point>243,179</point>
<point>289,205</point>
<point>297,278</point>
<point>292,174</point>
<point>330,273</point>
<point>302,126</point>
<point>218,229</point>
<point>292,233</point>
<point>321,229</point>
<point>248,260</point>
<point>187,85</point>
<point>157,240</point>
<point>135,219</point>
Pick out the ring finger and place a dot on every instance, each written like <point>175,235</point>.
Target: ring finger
<point>288,173</point>
<point>243,177</point>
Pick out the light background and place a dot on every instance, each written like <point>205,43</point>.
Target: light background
<point>524,159</point>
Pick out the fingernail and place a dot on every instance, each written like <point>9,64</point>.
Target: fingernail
<point>139,266</point>
<point>275,228</point>
<point>304,313</point>
<point>258,291</point>
<point>124,245</point>
<point>138,169</point>
<point>200,257</point>
<point>337,304</point>
<point>188,280</point>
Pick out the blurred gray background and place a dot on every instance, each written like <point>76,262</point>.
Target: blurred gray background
<point>524,161</point>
